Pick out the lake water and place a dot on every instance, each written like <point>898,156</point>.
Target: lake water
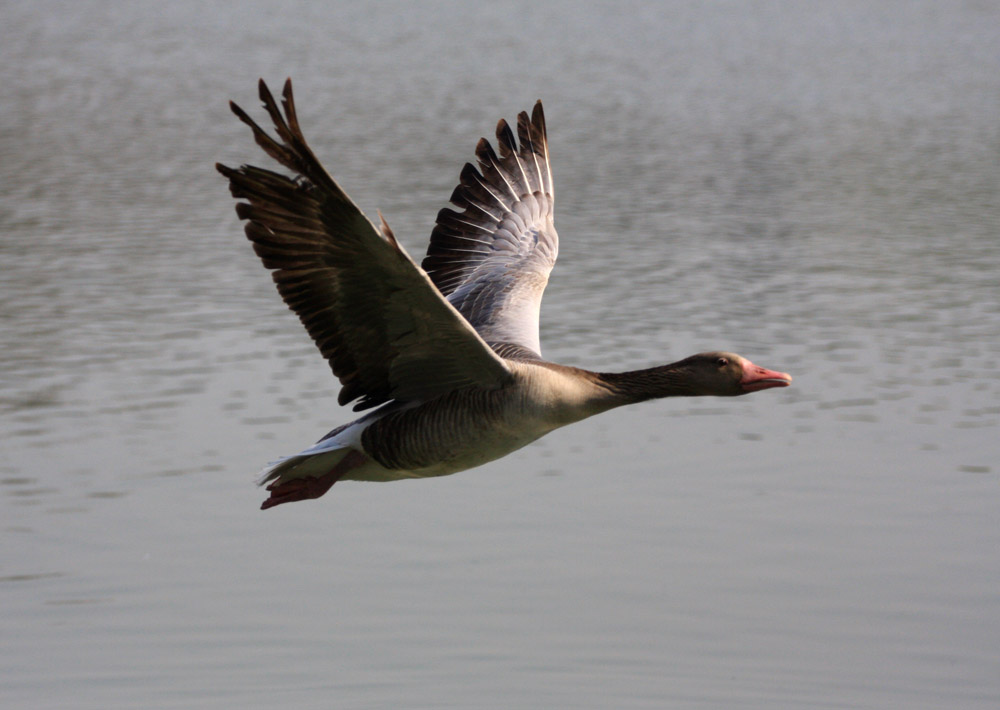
<point>815,186</point>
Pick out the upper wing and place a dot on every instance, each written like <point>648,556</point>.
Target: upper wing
<point>375,315</point>
<point>492,260</point>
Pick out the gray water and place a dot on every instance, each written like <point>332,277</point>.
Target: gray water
<point>813,185</point>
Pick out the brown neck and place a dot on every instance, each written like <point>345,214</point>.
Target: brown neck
<point>652,383</point>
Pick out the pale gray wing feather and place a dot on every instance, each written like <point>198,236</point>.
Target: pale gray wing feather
<point>374,314</point>
<point>492,260</point>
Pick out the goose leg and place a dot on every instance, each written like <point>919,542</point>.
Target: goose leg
<point>312,486</point>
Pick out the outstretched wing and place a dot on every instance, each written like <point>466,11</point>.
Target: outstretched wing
<point>374,314</point>
<point>493,259</point>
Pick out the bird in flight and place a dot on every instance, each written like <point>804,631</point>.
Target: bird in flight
<point>446,352</point>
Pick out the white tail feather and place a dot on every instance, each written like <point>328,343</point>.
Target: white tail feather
<point>311,462</point>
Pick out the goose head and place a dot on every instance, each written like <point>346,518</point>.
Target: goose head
<point>725,374</point>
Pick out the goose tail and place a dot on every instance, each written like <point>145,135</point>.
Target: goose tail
<point>308,474</point>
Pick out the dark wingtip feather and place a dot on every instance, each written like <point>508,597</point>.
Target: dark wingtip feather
<point>538,116</point>
<point>263,92</point>
<point>241,114</point>
<point>288,101</point>
<point>469,175</point>
<point>505,139</point>
<point>485,152</point>
<point>244,210</point>
<point>538,122</point>
<point>267,98</point>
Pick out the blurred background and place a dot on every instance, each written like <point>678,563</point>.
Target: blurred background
<point>813,185</point>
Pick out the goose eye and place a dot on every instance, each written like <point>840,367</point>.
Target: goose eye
<point>722,362</point>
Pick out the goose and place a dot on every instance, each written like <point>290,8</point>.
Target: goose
<point>448,351</point>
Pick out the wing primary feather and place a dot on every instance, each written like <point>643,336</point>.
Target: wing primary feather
<point>527,141</point>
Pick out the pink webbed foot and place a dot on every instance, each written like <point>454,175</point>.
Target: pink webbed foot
<point>313,486</point>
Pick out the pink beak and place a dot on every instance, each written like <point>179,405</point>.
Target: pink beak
<point>760,378</point>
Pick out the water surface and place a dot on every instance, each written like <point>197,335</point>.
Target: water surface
<point>813,186</point>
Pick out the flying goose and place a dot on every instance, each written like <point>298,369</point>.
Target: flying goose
<point>448,351</point>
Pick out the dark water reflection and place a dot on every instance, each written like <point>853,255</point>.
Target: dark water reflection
<point>816,188</point>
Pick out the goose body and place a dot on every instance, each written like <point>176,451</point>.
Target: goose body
<point>458,431</point>
<point>448,351</point>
